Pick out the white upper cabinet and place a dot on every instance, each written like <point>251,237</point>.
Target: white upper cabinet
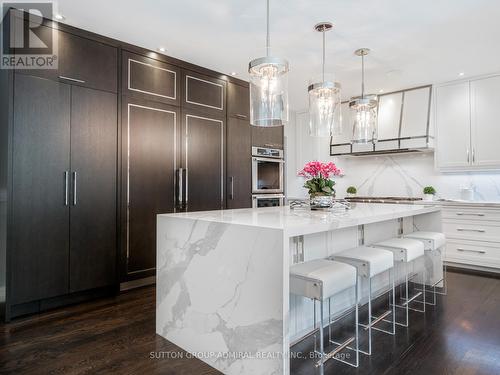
<point>452,116</point>
<point>467,117</point>
<point>485,122</point>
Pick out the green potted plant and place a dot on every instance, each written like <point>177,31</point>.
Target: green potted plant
<point>351,191</point>
<point>429,193</point>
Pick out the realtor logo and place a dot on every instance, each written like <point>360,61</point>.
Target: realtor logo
<point>26,42</point>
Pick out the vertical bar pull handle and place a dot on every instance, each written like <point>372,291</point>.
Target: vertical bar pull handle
<point>66,192</point>
<point>180,186</point>
<point>74,189</point>
<point>231,194</point>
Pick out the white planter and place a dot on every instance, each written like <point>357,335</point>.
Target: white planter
<point>351,195</point>
<point>428,197</point>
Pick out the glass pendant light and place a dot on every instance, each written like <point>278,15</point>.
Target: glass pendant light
<point>364,109</point>
<point>268,88</point>
<point>324,99</point>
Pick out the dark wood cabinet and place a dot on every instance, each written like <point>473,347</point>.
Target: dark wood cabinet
<point>150,79</point>
<point>93,195</point>
<point>268,137</point>
<point>238,101</point>
<point>40,211</point>
<point>64,217</point>
<point>80,61</point>
<point>203,93</point>
<point>88,63</point>
<point>239,163</point>
<point>150,156</point>
<point>203,161</point>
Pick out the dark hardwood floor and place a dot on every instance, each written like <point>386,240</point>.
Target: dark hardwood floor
<point>117,336</point>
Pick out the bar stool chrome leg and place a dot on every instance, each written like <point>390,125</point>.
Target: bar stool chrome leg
<point>320,280</point>
<point>356,324</point>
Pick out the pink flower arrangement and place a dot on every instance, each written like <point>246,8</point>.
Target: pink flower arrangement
<point>317,169</point>
<point>319,183</point>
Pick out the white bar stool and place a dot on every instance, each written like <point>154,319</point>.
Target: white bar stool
<point>320,280</point>
<point>433,241</point>
<point>406,250</point>
<point>371,262</point>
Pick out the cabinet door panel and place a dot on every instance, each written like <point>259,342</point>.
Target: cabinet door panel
<point>453,125</point>
<point>150,161</point>
<point>204,93</point>
<point>150,79</point>
<point>485,122</point>
<point>93,209</point>
<point>238,101</point>
<point>239,164</point>
<point>267,137</point>
<point>203,150</point>
<point>40,216</point>
<point>92,63</point>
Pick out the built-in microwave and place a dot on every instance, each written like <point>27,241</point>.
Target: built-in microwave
<point>267,170</point>
<point>268,200</point>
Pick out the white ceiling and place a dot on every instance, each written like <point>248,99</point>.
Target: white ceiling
<point>413,42</point>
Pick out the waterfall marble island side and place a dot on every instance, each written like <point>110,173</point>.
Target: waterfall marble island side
<point>222,276</point>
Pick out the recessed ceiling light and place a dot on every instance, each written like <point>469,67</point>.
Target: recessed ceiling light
<point>381,91</point>
<point>59,17</point>
<point>161,49</point>
<point>233,73</point>
<point>461,74</point>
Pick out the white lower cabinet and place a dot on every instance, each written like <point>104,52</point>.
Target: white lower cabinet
<point>473,236</point>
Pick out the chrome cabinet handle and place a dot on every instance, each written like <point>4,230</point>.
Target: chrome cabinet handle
<point>187,186</point>
<point>180,186</point>
<point>468,158</point>
<point>231,194</point>
<point>473,155</point>
<point>471,251</point>
<point>66,192</point>
<point>469,214</point>
<point>470,230</point>
<point>74,189</point>
<point>240,116</point>
<point>71,79</point>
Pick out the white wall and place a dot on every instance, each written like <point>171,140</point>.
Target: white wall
<point>392,175</point>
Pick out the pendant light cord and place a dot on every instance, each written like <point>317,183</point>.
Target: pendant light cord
<point>268,38</point>
<point>362,76</point>
<point>323,72</point>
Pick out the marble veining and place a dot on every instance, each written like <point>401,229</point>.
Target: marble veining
<point>300,222</point>
<point>207,290</point>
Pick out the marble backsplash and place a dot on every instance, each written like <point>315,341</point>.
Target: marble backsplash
<point>383,175</point>
<point>406,175</point>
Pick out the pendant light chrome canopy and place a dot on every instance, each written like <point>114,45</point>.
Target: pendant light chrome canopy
<point>324,99</point>
<point>268,88</point>
<point>364,109</point>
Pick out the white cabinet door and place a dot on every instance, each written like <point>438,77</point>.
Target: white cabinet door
<point>452,114</point>
<point>485,122</point>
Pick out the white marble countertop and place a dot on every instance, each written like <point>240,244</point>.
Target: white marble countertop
<point>301,222</point>
<point>461,203</point>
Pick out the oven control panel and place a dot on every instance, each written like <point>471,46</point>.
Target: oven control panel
<point>267,152</point>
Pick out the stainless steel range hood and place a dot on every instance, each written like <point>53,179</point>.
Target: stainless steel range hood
<point>404,126</point>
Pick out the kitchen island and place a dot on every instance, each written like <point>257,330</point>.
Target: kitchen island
<point>222,276</point>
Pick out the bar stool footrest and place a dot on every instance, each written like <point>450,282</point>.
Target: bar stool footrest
<point>331,354</point>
